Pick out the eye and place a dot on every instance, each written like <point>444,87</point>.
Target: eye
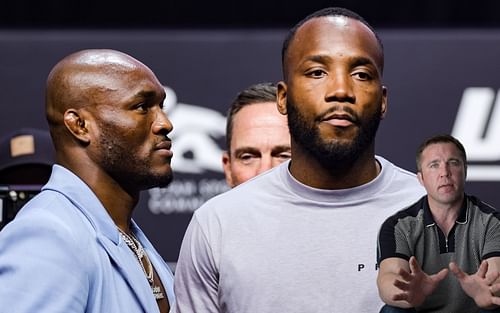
<point>455,163</point>
<point>362,75</point>
<point>316,73</point>
<point>434,165</point>
<point>285,155</point>
<point>141,107</point>
<point>247,158</point>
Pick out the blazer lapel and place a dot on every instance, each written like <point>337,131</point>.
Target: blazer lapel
<point>162,269</point>
<point>129,268</point>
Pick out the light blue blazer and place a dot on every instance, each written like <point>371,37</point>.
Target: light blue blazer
<point>63,253</point>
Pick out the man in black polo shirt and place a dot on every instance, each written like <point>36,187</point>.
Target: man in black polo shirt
<point>444,231</point>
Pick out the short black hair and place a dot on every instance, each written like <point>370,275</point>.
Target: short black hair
<point>257,93</point>
<point>442,138</point>
<point>331,11</point>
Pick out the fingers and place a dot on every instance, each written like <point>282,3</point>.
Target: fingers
<point>483,268</point>
<point>457,271</point>
<point>402,285</point>
<point>440,275</point>
<point>414,267</point>
<point>495,300</point>
<point>495,289</point>
<point>400,297</point>
<point>404,274</point>
<point>492,277</point>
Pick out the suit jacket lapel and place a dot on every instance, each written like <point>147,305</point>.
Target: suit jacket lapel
<point>75,190</point>
<point>162,269</point>
<point>129,268</point>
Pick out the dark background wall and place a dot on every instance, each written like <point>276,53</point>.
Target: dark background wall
<point>243,14</point>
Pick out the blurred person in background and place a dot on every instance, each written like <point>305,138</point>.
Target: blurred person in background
<point>26,158</point>
<point>257,136</point>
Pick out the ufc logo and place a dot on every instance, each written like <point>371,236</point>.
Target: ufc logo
<point>477,126</point>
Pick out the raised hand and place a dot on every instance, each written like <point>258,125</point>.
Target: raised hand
<point>416,285</point>
<point>479,286</point>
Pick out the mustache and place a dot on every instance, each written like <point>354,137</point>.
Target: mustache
<point>164,143</point>
<point>344,111</point>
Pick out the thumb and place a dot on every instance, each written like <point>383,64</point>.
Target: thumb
<point>440,275</point>
<point>414,266</point>
<point>483,269</point>
<point>459,274</point>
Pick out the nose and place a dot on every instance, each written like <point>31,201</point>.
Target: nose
<point>445,170</point>
<point>162,124</point>
<point>266,163</point>
<point>340,88</point>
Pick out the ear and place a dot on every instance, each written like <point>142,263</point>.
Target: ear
<point>226,164</point>
<point>281,97</point>
<point>420,178</point>
<point>384,102</point>
<point>77,124</point>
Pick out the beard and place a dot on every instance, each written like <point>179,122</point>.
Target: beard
<point>130,171</point>
<point>334,155</point>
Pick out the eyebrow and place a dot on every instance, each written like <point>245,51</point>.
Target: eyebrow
<point>146,94</point>
<point>355,60</point>
<point>319,58</point>
<point>446,161</point>
<point>275,150</point>
<point>279,149</point>
<point>359,61</point>
<point>246,150</point>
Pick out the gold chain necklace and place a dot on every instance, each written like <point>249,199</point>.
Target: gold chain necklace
<point>140,254</point>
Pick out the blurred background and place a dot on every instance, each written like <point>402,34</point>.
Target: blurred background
<point>441,70</point>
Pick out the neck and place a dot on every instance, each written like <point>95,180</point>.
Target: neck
<point>118,201</point>
<point>445,214</point>
<point>306,169</point>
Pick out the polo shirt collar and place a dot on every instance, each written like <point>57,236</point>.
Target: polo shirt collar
<point>429,220</point>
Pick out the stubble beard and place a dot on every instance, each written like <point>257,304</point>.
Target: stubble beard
<point>121,163</point>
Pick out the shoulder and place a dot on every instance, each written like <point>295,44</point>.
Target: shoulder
<point>248,192</point>
<point>50,240</point>
<point>483,209</point>
<point>396,170</point>
<point>47,225</point>
<point>410,213</point>
<point>42,245</point>
<point>483,206</point>
<point>401,180</point>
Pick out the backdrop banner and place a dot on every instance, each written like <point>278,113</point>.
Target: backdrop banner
<point>439,81</point>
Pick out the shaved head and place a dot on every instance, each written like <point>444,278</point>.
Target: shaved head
<point>79,79</point>
<point>84,80</point>
<point>104,110</point>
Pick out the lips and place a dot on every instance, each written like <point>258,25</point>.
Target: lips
<point>339,119</point>
<point>449,185</point>
<point>164,148</point>
<point>166,144</point>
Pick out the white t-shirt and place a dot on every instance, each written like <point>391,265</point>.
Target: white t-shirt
<point>275,245</point>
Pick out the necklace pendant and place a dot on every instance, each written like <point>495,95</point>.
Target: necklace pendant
<point>157,293</point>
